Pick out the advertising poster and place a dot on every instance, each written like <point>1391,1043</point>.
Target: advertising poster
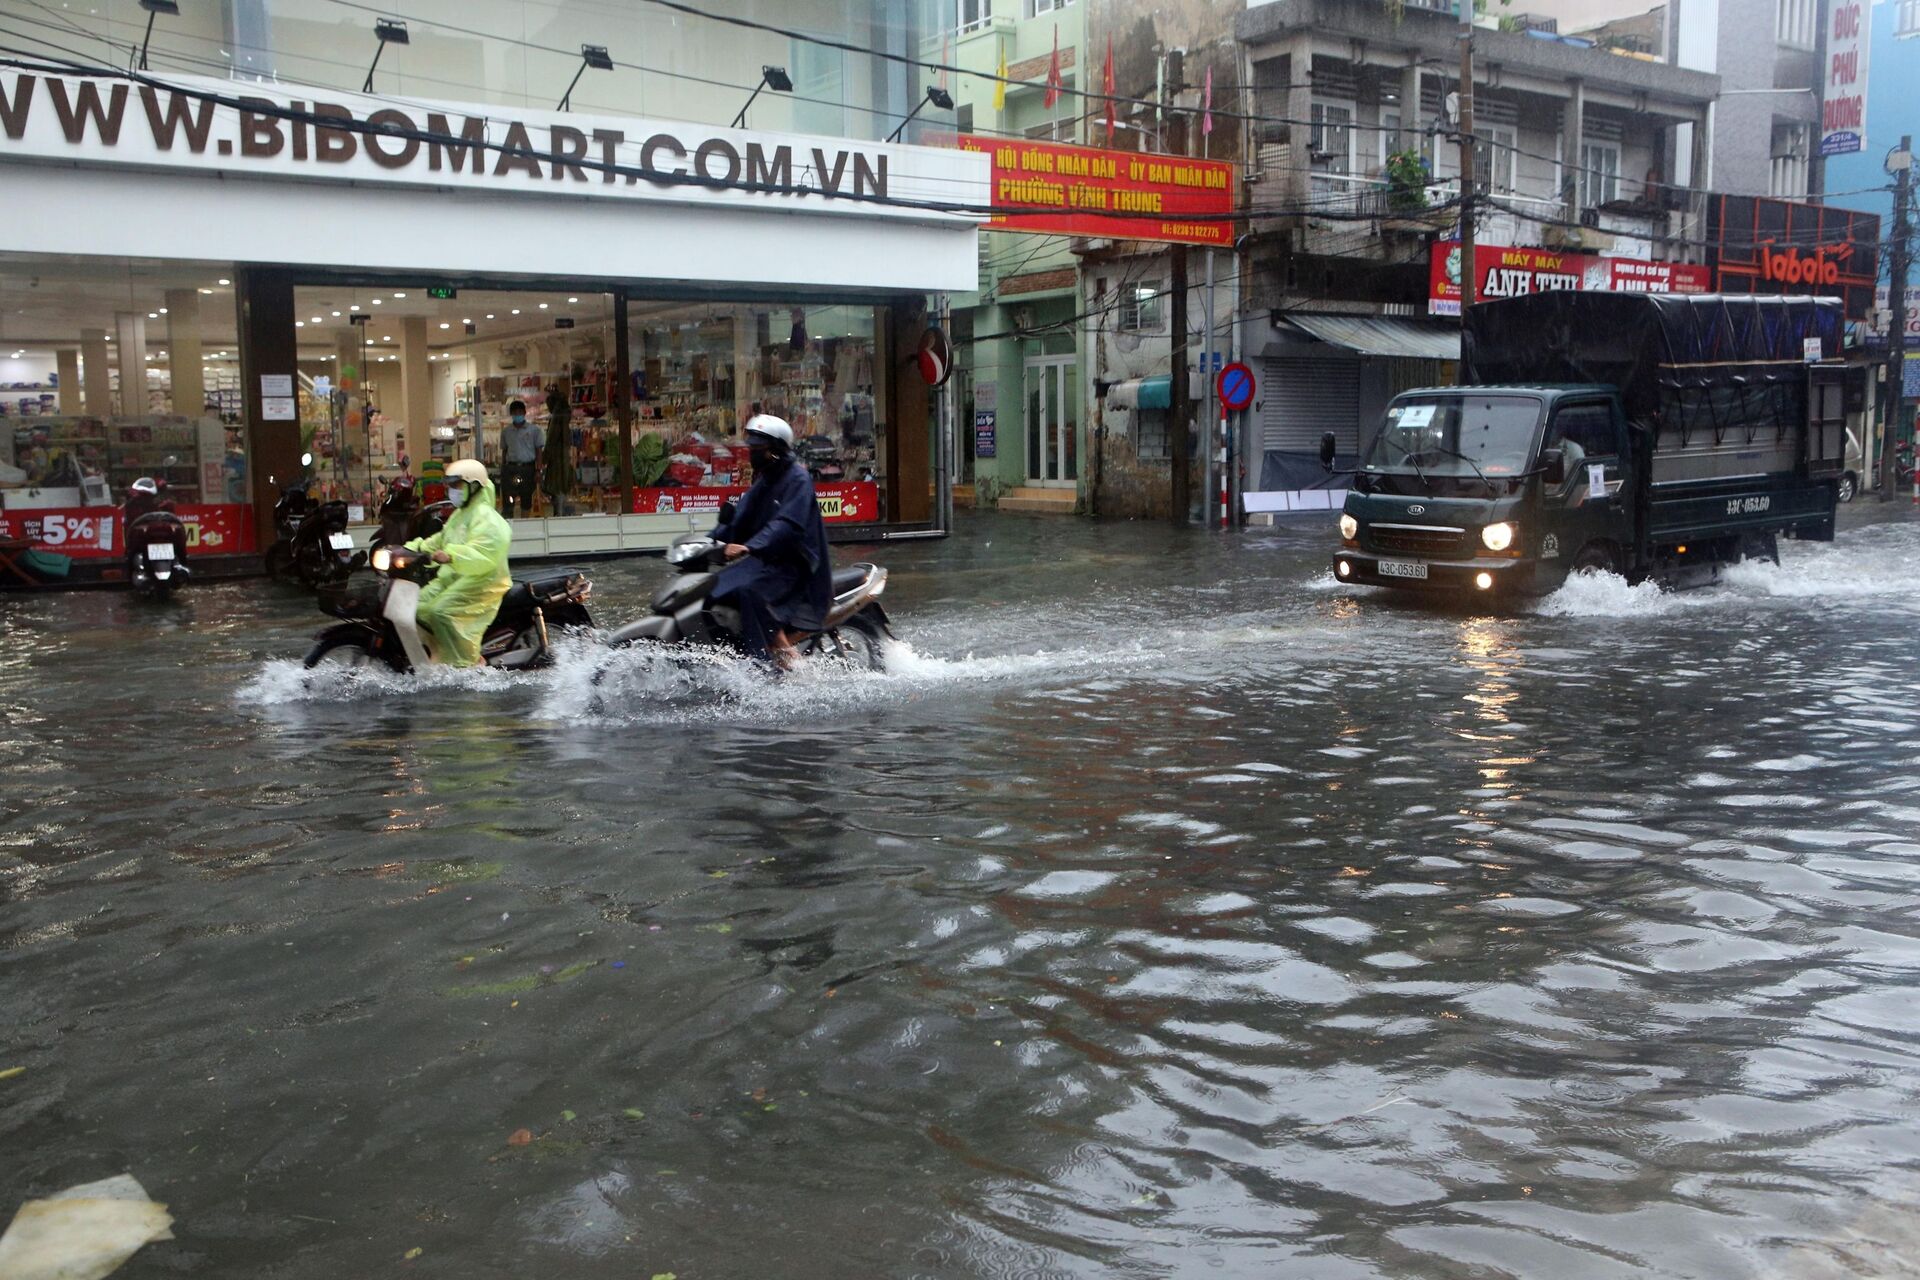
<point>854,502</point>
<point>95,533</point>
<point>1843,100</point>
<point>1056,189</point>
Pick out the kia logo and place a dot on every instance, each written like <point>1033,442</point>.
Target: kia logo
<point>1416,510</point>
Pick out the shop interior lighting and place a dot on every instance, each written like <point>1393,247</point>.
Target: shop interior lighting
<point>573,299</point>
<point>299,324</point>
<point>376,302</point>
<point>516,311</point>
<point>591,55</point>
<point>936,95</point>
<point>389,32</point>
<point>354,307</point>
<point>153,315</point>
<point>224,281</point>
<point>336,315</point>
<point>445,325</point>
<point>154,9</point>
<point>206,291</point>
<point>774,78</point>
<point>318,320</point>
<point>163,311</point>
<point>543,306</point>
<point>399,295</point>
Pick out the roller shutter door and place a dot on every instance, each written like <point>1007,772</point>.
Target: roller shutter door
<point>1300,400</point>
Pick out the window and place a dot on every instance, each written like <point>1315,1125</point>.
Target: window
<point>1151,441</point>
<point>973,14</point>
<point>1583,433</point>
<point>1795,22</point>
<point>1140,306</point>
<point>1599,173</point>
<point>1034,8</point>
<point>1058,130</point>
<point>1493,158</point>
<point>1330,143</point>
<point>1788,175</point>
<point>1907,18</point>
<point>1389,135</point>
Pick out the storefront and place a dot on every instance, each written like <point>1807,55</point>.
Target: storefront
<point>391,279</point>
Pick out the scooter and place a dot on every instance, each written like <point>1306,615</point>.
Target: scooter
<point>822,458</point>
<point>312,545</point>
<point>403,519</point>
<point>380,624</point>
<point>856,631</point>
<point>156,539</point>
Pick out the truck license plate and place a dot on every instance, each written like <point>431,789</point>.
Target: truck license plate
<point>1403,569</point>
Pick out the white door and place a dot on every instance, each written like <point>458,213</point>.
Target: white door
<point>1052,421</point>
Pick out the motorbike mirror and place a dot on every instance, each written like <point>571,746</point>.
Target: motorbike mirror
<point>1328,446</point>
<point>1553,465</point>
<point>306,459</point>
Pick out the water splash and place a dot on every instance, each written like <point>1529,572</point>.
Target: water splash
<point>284,681</point>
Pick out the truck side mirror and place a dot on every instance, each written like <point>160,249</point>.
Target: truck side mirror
<point>1327,447</point>
<point>1553,465</point>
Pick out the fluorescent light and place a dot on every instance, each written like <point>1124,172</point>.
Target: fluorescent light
<point>354,307</point>
<point>489,317</point>
<point>153,315</point>
<point>318,320</point>
<point>299,324</point>
<point>573,299</point>
<point>516,311</point>
<point>224,280</point>
<point>376,302</point>
<point>163,311</point>
<point>445,325</point>
<point>399,295</point>
<point>543,306</point>
<point>336,313</point>
<point>206,291</point>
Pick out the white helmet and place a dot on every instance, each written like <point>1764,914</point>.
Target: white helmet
<point>774,429</point>
<point>472,470</point>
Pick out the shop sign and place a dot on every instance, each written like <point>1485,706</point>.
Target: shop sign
<point>1054,189</point>
<point>854,502</point>
<point>986,424</point>
<point>1506,272</point>
<point>215,126</point>
<point>1843,100</point>
<point>1759,245</point>
<point>95,533</point>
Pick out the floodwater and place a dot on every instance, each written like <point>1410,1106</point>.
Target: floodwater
<point>1165,911</point>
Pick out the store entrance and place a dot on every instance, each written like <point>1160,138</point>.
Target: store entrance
<point>1052,425</point>
<point>402,379</point>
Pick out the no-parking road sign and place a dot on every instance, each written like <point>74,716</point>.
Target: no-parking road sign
<point>1234,386</point>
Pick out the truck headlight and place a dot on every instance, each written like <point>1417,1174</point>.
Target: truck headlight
<point>1349,527</point>
<point>1498,537</point>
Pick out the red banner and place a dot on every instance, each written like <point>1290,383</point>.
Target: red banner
<point>855,502</point>
<point>1505,272</point>
<point>97,533</point>
<point>1056,189</point>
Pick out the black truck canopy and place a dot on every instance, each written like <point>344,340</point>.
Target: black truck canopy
<point>1657,348</point>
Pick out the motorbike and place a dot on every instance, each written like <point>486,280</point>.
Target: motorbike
<point>857,627</point>
<point>822,458</point>
<point>403,519</point>
<point>311,544</point>
<point>156,539</point>
<point>379,624</point>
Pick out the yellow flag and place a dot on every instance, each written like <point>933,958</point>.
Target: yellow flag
<point>1000,86</point>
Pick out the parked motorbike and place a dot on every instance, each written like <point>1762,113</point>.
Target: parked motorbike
<point>156,539</point>
<point>857,627</point>
<point>822,459</point>
<point>311,544</point>
<point>403,519</point>
<point>380,626</point>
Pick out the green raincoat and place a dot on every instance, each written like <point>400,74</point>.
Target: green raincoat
<point>463,597</point>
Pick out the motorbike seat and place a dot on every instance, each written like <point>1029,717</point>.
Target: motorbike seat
<point>519,602</point>
<point>845,580</point>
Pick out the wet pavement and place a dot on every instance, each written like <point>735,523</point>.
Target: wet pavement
<point>1166,910</point>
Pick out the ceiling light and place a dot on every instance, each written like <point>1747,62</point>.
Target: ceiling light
<point>573,299</point>
<point>445,325</point>
<point>299,324</point>
<point>376,302</point>
<point>354,307</point>
<point>516,311</point>
<point>543,306</point>
<point>399,295</point>
<point>206,291</point>
<point>336,313</point>
<point>163,311</point>
<point>489,315</point>
<point>466,322</point>
<point>153,315</point>
<point>318,320</point>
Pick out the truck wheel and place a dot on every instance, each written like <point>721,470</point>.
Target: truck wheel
<point>1849,486</point>
<point>1595,557</point>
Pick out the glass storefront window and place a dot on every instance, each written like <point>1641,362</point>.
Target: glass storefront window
<point>112,370</point>
<point>701,370</point>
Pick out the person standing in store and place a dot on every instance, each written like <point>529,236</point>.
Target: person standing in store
<point>520,459</point>
<point>557,483</point>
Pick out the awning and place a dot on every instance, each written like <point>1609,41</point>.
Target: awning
<point>1150,393</point>
<point>1382,335</point>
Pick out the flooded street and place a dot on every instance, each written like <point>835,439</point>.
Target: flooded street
<point>1166,910</point>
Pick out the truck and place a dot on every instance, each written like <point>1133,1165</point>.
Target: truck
<point>1653,436</point>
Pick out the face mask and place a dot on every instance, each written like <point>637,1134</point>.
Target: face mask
<point>519,419</point>
<point>457,494</point>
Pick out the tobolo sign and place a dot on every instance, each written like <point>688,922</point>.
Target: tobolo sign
<point>1756,244</point>
<point>1123,195</point>
<point>209,125</point>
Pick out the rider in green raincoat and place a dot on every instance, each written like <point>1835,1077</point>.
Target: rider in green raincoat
<point>457,605</point>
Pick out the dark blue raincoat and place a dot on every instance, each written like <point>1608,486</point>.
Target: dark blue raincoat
<point>787,579</point>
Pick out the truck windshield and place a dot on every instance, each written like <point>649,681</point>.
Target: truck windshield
<point>1457,436</point>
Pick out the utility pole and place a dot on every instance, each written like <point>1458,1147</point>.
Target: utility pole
<point>1179,406</point>
<point>1469,275</point>
<point>1900,162</point>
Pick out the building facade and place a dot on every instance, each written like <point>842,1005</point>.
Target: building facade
<point>644,228</point>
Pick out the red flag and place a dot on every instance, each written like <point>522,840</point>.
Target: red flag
<point>1106,87</point>
<point>1206,106</point>
<point>1053,73</point>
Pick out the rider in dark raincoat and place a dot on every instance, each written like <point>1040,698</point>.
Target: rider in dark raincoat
<point>779,574</point>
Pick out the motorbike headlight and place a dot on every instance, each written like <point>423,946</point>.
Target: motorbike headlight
<point>1349,527</point>
<point>382,560</point>
<point>1498,537</point>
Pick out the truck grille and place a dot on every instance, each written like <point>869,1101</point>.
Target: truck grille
<point>1428,541</point>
